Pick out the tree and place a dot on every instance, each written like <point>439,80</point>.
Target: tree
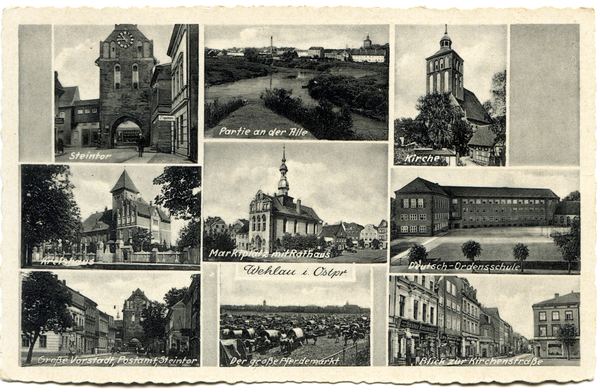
<point>251,54</point>
<point>180,193</point>
<point>567,334</point>
<point>417,253</point>
<point>189,235</point>
<point>570,244</point>
<point>496,108</point>
<point>361,243</point>
<point>520,252</point>
<point>44,307</point>
<point>573,196</point>
<point>174,295</point>
<point>349,242</point>
<point>153,322</point>
<point>140,239</point>
<point>220,242</point>
<point>289,55</point>
<point>471,249</point>
<point>48,211</point>
<point>375,243</point>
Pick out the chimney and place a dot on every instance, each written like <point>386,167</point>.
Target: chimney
<point>298,206</point>
<point>555,295</point>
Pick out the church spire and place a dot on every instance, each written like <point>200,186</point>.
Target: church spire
<point>284,186</point>
<point>446,42</point>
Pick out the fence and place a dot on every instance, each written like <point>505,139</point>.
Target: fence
<point>350,354</point>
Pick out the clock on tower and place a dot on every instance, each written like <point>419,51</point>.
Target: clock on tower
<point>124,39</point>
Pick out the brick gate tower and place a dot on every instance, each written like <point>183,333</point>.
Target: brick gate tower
<point>126,62</point>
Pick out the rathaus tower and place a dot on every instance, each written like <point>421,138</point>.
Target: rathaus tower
<point>126,62</point>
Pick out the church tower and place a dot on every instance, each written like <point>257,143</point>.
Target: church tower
<point>367,43</point>
<point>284,185</point>
<point>126,62</point>
<point>444,70</point>
<point>123,190</point>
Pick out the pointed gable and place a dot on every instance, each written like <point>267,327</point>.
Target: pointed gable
<point>419,185</point>
<point>124,182</point>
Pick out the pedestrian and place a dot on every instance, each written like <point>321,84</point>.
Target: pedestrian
<point>140,142</point>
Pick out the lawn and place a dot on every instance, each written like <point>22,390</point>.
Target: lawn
<point>497,251</point>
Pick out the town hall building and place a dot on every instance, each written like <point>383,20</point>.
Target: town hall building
<point>273,216</point>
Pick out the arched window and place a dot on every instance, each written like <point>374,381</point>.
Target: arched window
<point>436,83</point>
<point>446,82</point>
<point>139,52</point>
<point>106,50</point>
<point>431,66</point>
<point>437,65</point>
<point>117,76</point>
<point>135,78</point>
<point>147,49</point>
<point>113,50</point>
<point>441,63</point>
<point>430,84</point>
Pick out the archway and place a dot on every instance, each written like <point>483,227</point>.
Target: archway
<point>125,131</point>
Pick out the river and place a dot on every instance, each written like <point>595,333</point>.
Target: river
<point>290,79</point>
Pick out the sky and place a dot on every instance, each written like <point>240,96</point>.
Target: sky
<point>560,181</point>
<point>278,292</point>
<point>297,36</point>
<point>482,48</point>
<point>514,295</point>
<point>108,288</point>
<point>76,48</point>
<point>94,182</point>
<point>340,181</point>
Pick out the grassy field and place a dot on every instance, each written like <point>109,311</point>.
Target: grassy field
<point>493,252</point>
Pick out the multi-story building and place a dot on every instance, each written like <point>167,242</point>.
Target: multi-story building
<point>488,334</point>
<point>132,317</point>
<point>426,208</point>
<point>272,217</point>
<point>471,308</point>
<point>160,106</point>
<point>183,50</point>
<point>368,234</point>
<point>382,234</point>
<point>334,235</point>
<point>353,231</point>
<point>548,318</point>
<point>182,330</point>
<point>102,332</point>
<point>413,319</point>
<point>450,317</point>
<point>215,225</point>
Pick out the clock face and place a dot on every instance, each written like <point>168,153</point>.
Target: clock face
<point>124,39</point>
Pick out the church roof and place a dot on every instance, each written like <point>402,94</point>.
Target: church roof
<point>475,111</point>
<point>571,298</point>
<point>124,182</point>
<point>97,221</point>
<point>145,209</point>
<point>419,185</point>
<point>483,137</point>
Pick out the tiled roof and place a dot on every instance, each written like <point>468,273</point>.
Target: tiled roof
<point>333,231</point>
<point>571,298</point>
<point>124,182</point>
<point>475,111</point>
<point>568,208</point>
<point>491,192</point>
<point>97,221</point>
<point>86,102</point>
<point>145,209</point>
<point>305,211</point>
<point>419,185</point>
<point>70,95</point>
<point>483,137</point>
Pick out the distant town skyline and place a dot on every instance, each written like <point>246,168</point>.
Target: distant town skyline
<point>239,290</point>
<point>340,181</point>
<point>298,36</point>
<point>482,47</point>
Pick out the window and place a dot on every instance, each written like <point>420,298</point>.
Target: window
<point>454,201</point>
<point>555,349</point>
<point>413,229</point>
<point>284,225</point>
<point>117,73</point>
<point>422,229</point>
<point>401,302</point>
<point>555,316</point>
<point>404,217</point>
<point>413,203</point>
<point>416,310</point>
<point>413,216</point>
<point>543,330</point>
<point>79,111</point>
<point>424,313</point>
<point>422,216</point>
<point>43,341</point>
<point>94,110</point>
<point>403,229</point>
<point>568,315</point>
<point>555,329</point>
<point>24,342</point>
<point>542,316</point>
<point>405,203</point>
<point>431,319</point>
<point>420,203</point>
<point>61,115</point>
<point>135,78</point>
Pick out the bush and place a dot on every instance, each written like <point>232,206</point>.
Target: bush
<point>322,121</point>
<point>216,111</point>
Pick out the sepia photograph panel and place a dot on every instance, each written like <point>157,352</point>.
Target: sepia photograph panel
<point>450,95</point>
<point>491,221</point>
<point>109,217</point>
<point>295,320</point>
<point>299,202</point>
<point>84,318</point>
<point>126,93</point>
<point>446,320</point>
<point>297,82</point>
